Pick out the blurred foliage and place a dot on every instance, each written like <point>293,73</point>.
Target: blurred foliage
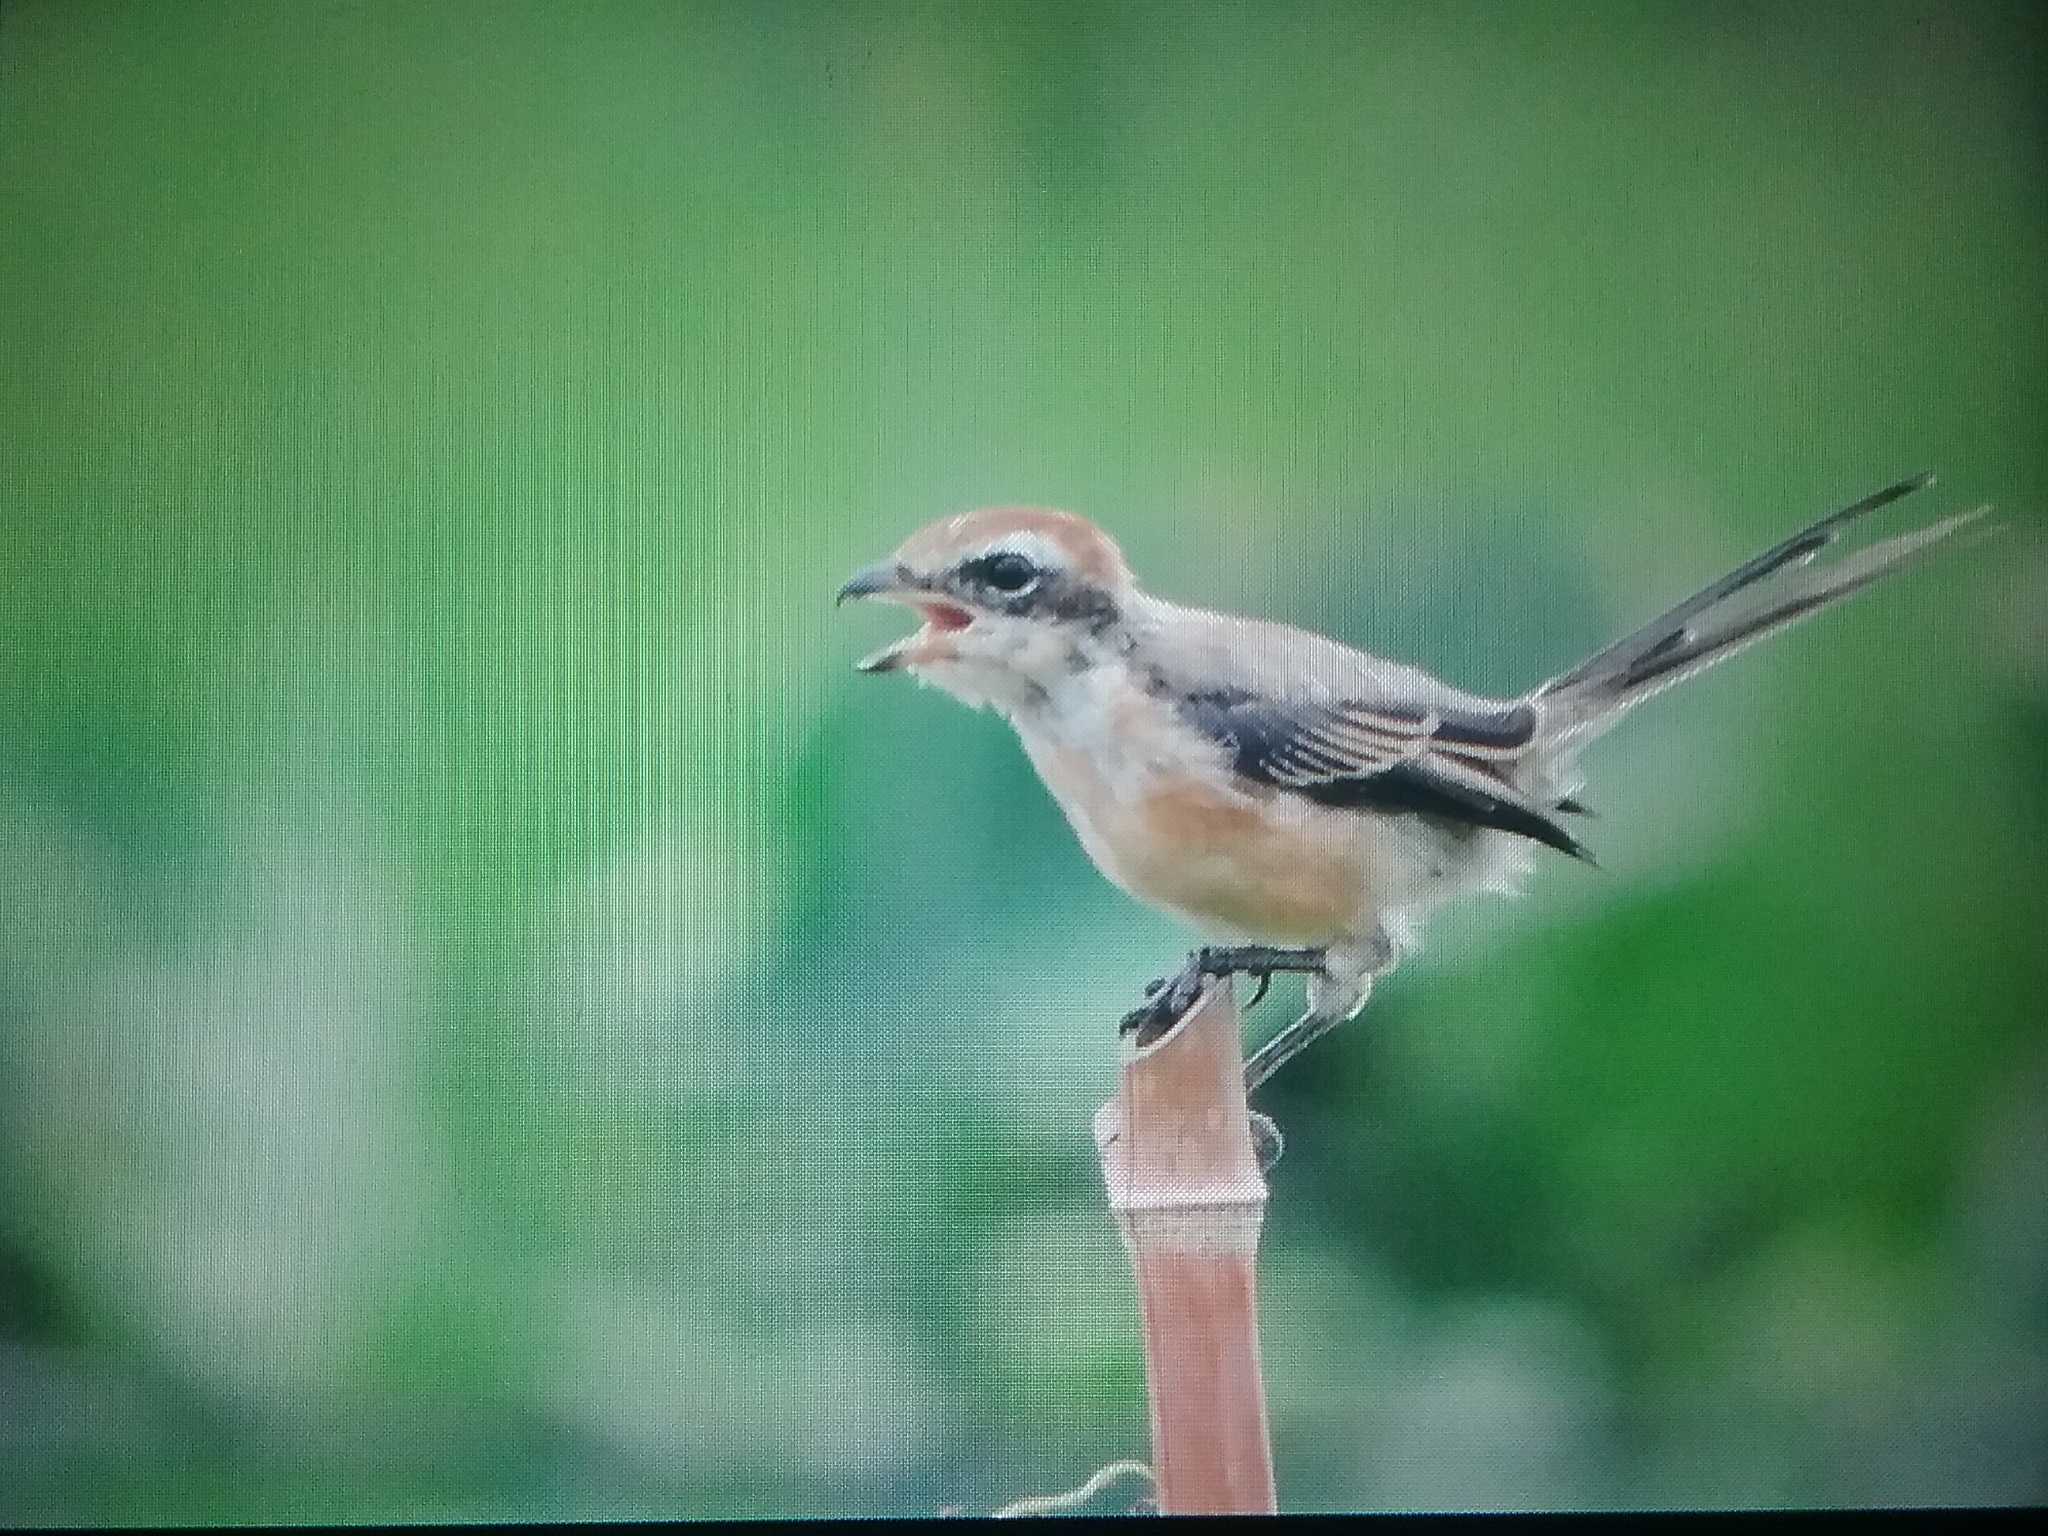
<point>497,1021</point>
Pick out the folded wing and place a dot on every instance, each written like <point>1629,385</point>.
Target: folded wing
<point>1447,760</point>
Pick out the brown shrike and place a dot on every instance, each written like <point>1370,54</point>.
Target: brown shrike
<point>1272,785</point>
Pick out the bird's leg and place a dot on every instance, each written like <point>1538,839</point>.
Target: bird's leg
<point>1288,1044</point>
<point>1167,999</point>
<point>1337,991</point>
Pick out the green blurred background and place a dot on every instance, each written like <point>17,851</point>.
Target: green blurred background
<point>496,1020</point>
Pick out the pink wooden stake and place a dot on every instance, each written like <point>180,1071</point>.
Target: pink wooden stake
<point>1184,1183</point>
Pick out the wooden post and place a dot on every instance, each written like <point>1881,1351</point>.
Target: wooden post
<point>1184,1183</point>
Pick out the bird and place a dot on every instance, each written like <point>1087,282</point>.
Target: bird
<point>1306,804</point>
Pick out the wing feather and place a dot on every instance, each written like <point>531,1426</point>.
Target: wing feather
<point>1434,760</point>
<point>1309,715</point>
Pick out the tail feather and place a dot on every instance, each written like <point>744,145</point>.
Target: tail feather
<point>1709,626</point>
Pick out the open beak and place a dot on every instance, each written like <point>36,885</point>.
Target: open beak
<point>893,583</point>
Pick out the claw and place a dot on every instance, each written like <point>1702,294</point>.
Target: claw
<point>1169,998</point>
<point>1165,1001</point>
<point>1154,1012</point>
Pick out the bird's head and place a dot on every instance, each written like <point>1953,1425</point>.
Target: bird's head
<point>1012,597</point>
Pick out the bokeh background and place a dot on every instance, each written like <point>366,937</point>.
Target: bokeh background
<point>497,1020</point>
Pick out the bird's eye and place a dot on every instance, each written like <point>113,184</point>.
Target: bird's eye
<point>1007,571</point>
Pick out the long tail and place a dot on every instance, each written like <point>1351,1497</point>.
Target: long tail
<point>1734,612</point>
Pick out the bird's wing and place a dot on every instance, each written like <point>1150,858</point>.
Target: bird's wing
<point>1302,713</point>
<point>1381,756</point>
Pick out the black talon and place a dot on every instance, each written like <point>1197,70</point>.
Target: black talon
<point>1165,1001</point>
<point>1265,986</point>
<point>1135,1020</point>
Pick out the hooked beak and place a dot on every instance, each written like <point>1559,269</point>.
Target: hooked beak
<point>873,582</point>
<point>893,582</point>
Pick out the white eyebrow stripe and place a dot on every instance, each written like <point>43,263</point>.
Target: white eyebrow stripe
<point>1029,543</point>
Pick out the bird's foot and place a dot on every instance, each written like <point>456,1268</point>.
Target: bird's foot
<point>1167,999</point>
